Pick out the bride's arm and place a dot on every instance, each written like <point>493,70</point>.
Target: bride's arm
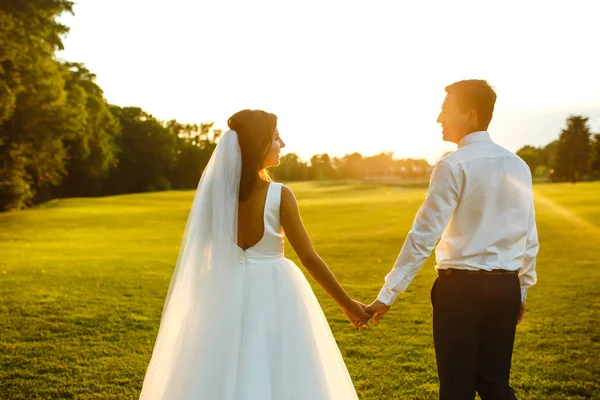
<point>300,241</point>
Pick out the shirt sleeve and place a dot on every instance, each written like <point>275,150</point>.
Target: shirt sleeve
<point>527,274</point>
<point>429,224</point>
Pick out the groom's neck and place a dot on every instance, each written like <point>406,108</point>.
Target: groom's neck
<point>467,134</point>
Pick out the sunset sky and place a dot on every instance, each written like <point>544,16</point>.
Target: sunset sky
<point>346,76</point>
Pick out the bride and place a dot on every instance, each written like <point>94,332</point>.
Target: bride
<point>240,321</point>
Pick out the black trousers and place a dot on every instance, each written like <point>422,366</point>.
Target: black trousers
<point>474,324</point>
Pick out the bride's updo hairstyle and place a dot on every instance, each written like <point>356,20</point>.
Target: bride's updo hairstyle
<point>255,129</point>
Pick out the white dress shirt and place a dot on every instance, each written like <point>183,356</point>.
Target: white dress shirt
<point>480,203</point>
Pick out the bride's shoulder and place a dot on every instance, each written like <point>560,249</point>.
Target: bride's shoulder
<point>286,191</point>
<point>288,207</point>
<point>287,196</point>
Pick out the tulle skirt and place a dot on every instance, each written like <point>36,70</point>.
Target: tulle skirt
<point>279,346</point>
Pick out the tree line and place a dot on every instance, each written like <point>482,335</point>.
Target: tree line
<point>574,156</point>
<point>350,166</point>
<point>59,137</point>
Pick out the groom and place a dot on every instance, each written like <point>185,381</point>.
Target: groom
<point>479,207</point>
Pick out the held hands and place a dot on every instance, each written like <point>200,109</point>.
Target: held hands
<point>358,316</point>
<point>361,314</point>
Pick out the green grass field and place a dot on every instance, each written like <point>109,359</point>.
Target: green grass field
<point>82,284</point>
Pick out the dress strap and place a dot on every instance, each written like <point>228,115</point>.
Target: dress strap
<point>272,205</point>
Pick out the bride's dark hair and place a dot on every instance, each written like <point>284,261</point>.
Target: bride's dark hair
<point>255,129</point>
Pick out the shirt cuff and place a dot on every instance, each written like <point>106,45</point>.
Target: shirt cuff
<point>387,296</point>
<point>523,294</point>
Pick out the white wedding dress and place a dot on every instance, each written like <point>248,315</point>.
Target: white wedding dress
<point>258,333</point>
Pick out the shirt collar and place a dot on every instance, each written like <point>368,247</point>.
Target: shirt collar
<point>475,137</point>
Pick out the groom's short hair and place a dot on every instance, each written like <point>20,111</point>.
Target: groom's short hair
<point>475,94</point>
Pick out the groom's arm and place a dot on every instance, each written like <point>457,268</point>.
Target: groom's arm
<point>429,224</point>
<point>527,274</point>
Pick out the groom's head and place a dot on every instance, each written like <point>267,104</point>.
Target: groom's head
<point>467,108</point>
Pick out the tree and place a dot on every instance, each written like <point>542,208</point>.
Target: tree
<point>379,165</point>
<point>572,152</point>
<point>595,155</point>
<point>193,148</point>
<point>92,151</point>
<point>548,154</point>
<point>321,167</point>
<point>148,152</point>
<point>38,126</point>
<point>33,106</point>
<point>28,31</point>
<point>417,167</point>
<point>351,166</point>
<point>291,168</point>
<point>15,186</point>
<point>532,156</point>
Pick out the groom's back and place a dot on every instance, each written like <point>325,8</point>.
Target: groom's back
<point>489,226</point>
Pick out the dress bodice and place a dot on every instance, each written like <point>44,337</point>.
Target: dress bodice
<point>270,246</point>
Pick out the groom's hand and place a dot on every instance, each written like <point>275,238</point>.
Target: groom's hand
<point>521,312</point>
<point>377,308</point>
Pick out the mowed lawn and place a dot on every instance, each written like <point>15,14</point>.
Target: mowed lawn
<point>82,284</point>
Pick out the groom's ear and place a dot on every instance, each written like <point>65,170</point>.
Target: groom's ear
<point>473,118</point>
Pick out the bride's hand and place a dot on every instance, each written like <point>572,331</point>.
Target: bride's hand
<point>358,316</point>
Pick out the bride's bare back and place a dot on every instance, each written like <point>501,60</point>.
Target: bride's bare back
<point>251,224</point>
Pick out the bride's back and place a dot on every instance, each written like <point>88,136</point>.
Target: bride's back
<point>251,225</point>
